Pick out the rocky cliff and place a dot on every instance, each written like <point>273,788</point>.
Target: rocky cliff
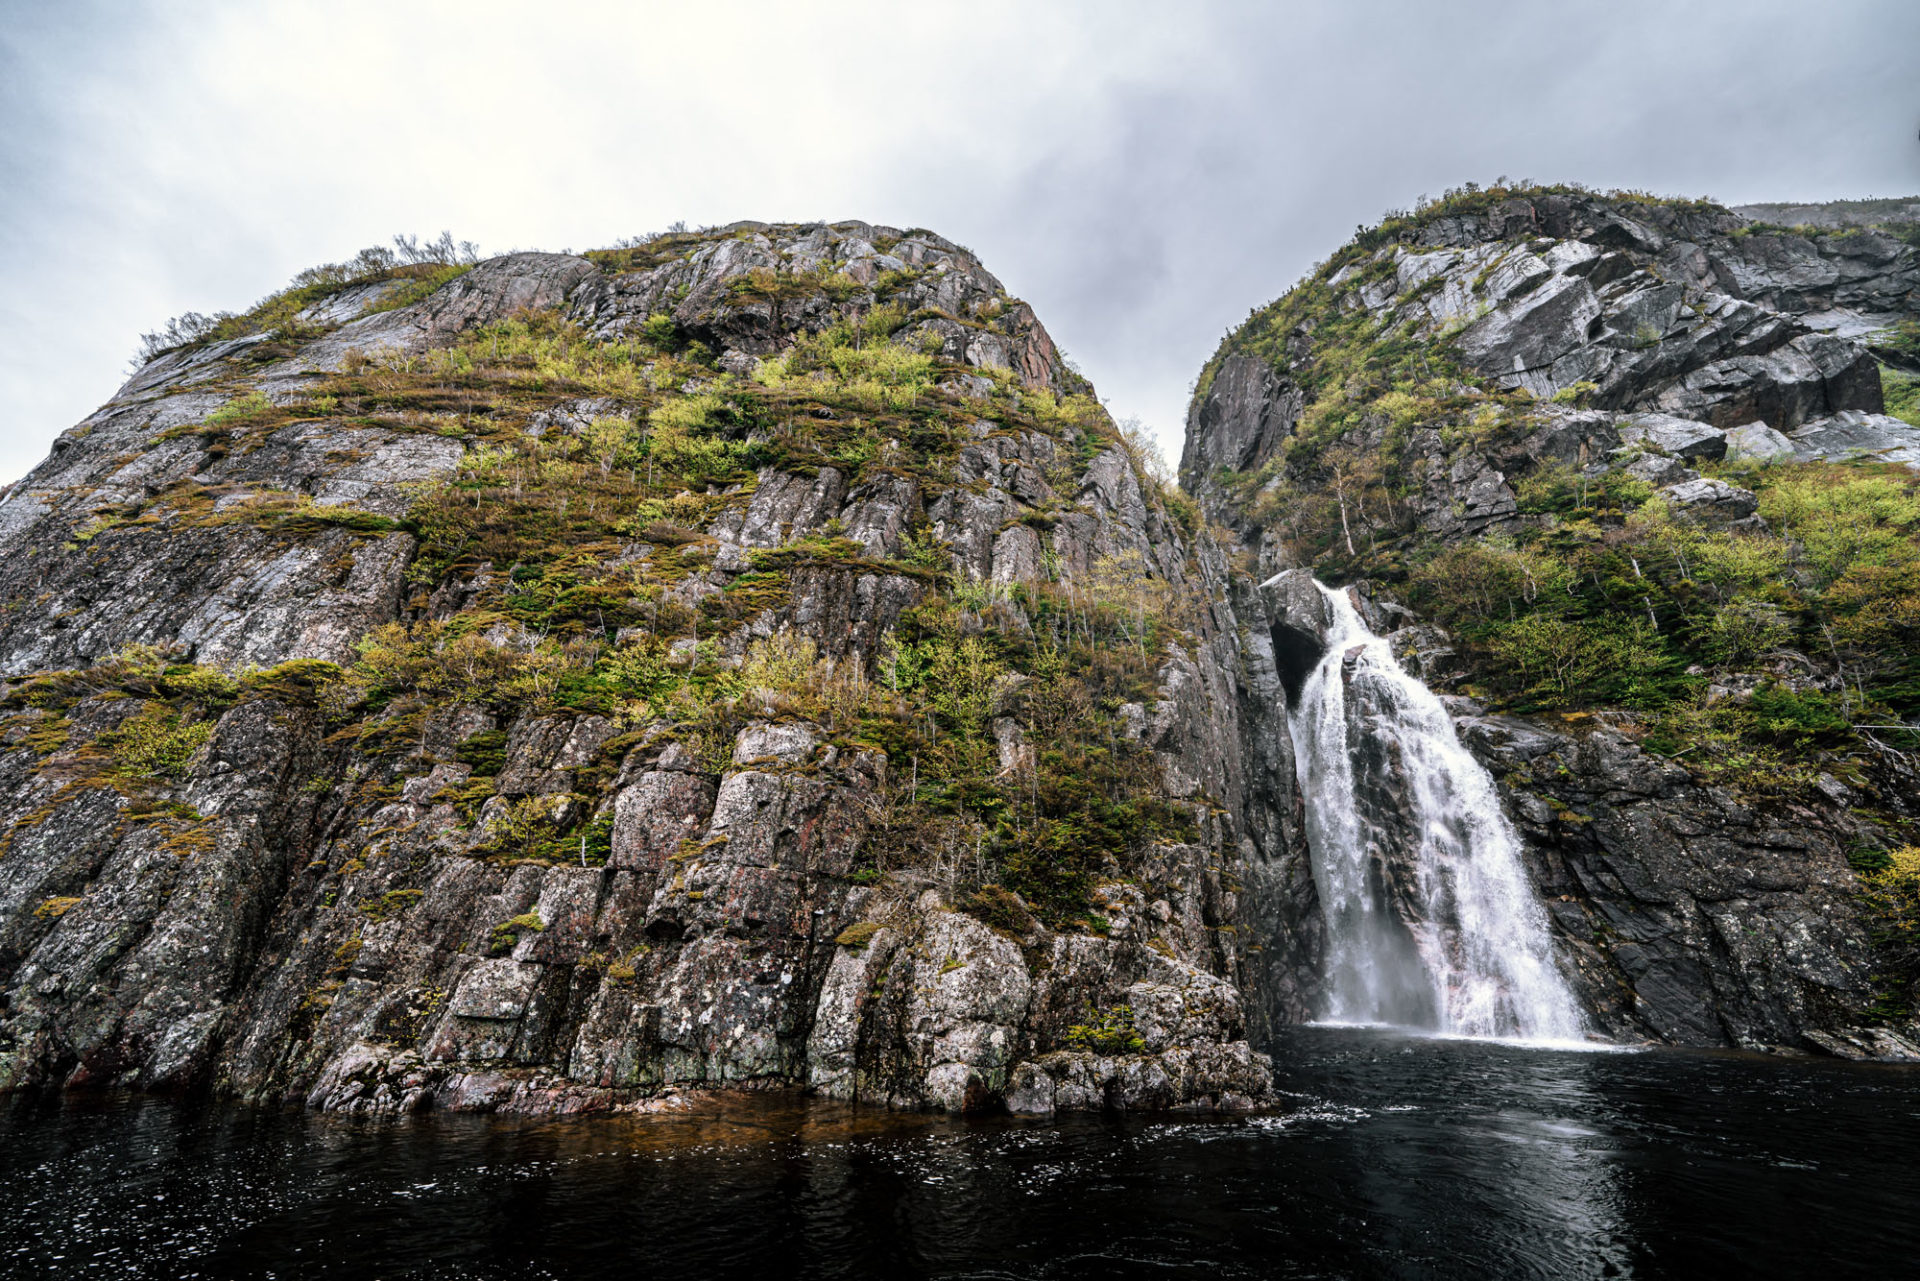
<point>751,658</point>
<point>1619,472</point>
<point>743,658</point>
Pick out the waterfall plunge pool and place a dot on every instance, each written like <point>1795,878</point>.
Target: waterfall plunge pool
<point>1393,1157</point>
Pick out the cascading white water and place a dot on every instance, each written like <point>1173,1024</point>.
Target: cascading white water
<point>1468,954</point>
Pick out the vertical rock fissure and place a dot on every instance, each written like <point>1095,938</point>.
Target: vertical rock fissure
<point>1430,919</point>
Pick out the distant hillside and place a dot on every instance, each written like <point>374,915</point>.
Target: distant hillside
<point>1834,214</point>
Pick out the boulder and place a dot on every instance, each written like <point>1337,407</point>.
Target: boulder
<point>1680,437</point>
<point>1710,501</point>
<point>1757,440</point>
<point>1660,469</point>
<point>1851,435</point>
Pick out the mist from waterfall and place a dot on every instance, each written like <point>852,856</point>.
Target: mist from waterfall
<point>1431,922</point>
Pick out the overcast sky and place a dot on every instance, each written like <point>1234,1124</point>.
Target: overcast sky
<point>1144,174</point>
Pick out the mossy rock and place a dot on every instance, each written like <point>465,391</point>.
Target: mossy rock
<point>858,935</point>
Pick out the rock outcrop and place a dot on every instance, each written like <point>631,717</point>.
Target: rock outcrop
<point>751,658</point>
<point>746,658</point>
<point>1563,339</point>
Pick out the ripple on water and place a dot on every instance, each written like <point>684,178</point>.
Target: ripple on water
<point>1390,1155</point>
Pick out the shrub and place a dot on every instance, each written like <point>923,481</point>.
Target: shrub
<point>1902,394</point>
<point>999,907</point>
<point>155,743</point>
<point>1596,661</point>
<point>638,669</point>
<point>1743,630</point>
<point>785,663</point>
<point>680,441</point>
<point>661,332</point>
<point>178,332</point>
<point>1794,717</point>
<point>1892,898</point>
<point>1845,518</point>
<point>962,678</point>
<point>1108,1031</point>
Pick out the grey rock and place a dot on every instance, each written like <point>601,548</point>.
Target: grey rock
<point>1757,440</point>
<point>655,815</point>
<point>1679,437</point>
<point>1660,469</point>
<point>1712,501</point>
<point>1546,324</point>
<point>1243,418</point>
<point>785,743</point>
<point>1856,435</point>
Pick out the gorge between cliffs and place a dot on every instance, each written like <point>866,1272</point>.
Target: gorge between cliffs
<point>752,659</point>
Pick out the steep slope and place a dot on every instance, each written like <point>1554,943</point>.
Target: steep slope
<point>1618,472</point>
<point>746,657</point>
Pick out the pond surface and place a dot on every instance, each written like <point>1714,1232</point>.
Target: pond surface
<point>1395,1157</point>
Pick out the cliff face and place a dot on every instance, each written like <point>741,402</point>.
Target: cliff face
<point>743,658</point>
<point>1563,445</point>
<point>751,658</point>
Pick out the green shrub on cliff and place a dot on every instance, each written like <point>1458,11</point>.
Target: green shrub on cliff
<point>1108,1031</point>
<point>1892,896</point>
<point>155,742</point>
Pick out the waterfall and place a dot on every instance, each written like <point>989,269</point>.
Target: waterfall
<point>1430,919</point>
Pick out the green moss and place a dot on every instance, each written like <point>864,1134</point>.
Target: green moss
<point>858,935</point>
<point>45,735</point>
<point>506,935</point>
<point>391,904</point>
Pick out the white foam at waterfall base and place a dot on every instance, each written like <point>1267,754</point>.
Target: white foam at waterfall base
<point>1477,960</point>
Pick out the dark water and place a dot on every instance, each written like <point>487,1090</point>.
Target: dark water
<point>1398,1158</point>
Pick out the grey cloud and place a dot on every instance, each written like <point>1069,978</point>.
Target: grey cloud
<point>1144,174</point>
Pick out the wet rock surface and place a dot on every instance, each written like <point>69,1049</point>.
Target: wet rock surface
<point>1690,917</point>
<point>1654,342</point>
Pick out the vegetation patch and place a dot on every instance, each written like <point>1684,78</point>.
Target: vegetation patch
<point>858,935</point>
<point>1108,1031</point>
<point>1891,892</point>
<point>506,935</point>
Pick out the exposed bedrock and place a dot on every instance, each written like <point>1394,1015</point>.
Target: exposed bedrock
<point>1656,343</point>
<point>297,801</point>
<point>751,659</point>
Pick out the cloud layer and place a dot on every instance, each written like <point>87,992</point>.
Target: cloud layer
<point>1143,173</point>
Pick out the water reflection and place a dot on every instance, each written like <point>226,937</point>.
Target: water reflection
<point>1395,1157</point>
<point>1513,1140</point>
